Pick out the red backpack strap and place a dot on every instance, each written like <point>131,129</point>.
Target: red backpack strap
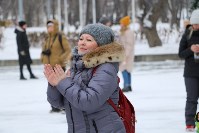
<point>113,105</point>
<point>94,70</point>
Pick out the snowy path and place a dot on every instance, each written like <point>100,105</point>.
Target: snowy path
<point>158,97</point>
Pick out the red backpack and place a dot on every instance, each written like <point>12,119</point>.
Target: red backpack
<point>125,110</point>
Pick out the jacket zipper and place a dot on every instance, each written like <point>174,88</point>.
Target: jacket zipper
<point>95,126</point>
<point>86,122</point>
<point>71,114</point>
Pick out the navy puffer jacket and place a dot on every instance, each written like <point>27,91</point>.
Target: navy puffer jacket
<point>84,95</point>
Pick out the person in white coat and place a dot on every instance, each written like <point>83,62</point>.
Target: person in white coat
<point>126,38</point>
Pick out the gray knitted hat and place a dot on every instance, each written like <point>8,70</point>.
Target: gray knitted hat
<point>102,34</point>
<point>195,17</point>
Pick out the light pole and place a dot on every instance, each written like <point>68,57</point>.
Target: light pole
<point>59,14</point>
<point>48,9</point>
<point>80,13</point>
<point>94,11</point>
<point>20,5</point>
<point>133,13</point>
<point>66,16</point>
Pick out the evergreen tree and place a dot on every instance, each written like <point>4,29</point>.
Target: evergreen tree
<point>195,5</point>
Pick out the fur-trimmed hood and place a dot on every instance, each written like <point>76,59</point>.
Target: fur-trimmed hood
<point>19,29</point>
<point>56,27</point>
<point>112,52</point>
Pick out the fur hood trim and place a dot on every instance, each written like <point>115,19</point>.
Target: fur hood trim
<point>112,52</point>
<point>20,29</point>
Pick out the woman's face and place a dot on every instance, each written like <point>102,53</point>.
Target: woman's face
<point>196,26</point>
<point>86,44</point>
<point>121,25</point>
<point>24,26</point>
<point>50,28</point>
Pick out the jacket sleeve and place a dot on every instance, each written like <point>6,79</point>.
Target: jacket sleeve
<point>67,50</point>
<point>20,41</point>
<point>54,97</point>
<point>101,86</point>
<point>184,50</point>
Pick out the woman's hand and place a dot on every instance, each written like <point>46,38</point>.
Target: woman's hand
<point>195,48</point>
<point>68,73</point>
<point>54,76</point>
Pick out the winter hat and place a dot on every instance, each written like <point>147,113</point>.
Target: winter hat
<point>125,21</point>
<point>104,20</point>
<point>49,22</point>
<point>195,17</point>
<point>102,34</point>
<point>21,23</point>
<point>55,23</point>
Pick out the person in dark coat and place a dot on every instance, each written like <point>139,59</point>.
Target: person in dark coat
<point>189,50</point>
<point>84,89</point>
<point>23,49</point>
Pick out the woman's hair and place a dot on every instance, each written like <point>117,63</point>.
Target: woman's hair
<point>196,117</point>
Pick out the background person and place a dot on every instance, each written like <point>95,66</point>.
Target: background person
<point>126,38</point>
<point>188,50</point>
<point>56,49</point>
<point>23,49</point>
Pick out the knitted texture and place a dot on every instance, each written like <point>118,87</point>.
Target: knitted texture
<point>195,17</point>
<point>102,34</point>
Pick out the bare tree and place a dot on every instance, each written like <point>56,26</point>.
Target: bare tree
<point>151,14</point>
<point>88,12</point>
<point>73,12</point>
<point>100,8</point>
<point>36,11</point>
<point>175,8</point>
<point>29,8</point>
<point>5,8</point>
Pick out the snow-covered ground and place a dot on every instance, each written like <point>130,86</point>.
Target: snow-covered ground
<point>158,97</point>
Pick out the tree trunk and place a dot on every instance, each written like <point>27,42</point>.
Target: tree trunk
<point>89,12</point>
<point>175,8</point>
<point>174,20</point>
<point>29,15</point>
<point>126,5</point>
<point>54,8</point>
<point>152,37</point>
<point>151,31</point>
<point>119,10</point>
